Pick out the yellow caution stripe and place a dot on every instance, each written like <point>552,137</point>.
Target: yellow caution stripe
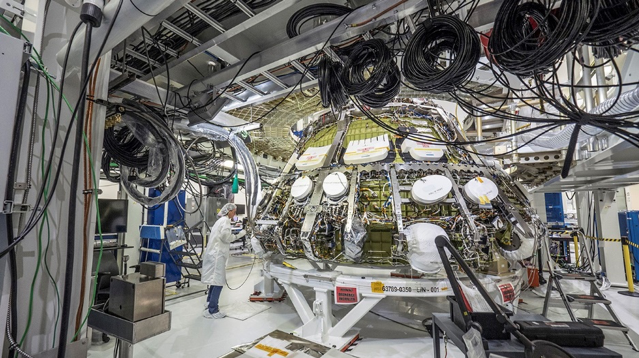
<point>611,240</point>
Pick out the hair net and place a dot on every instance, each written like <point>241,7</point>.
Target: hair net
<point>227,208</point>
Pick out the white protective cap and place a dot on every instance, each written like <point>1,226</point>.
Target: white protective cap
<point>335,185</point>
<point>423,151</point>
<point>431,189</point>
<point>422,250</point>
<point>302,188</point>
<point>481,190</point>
<point>313,158</point>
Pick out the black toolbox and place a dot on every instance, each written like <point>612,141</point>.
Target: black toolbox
<point>565,334</point>
<point>491,327</point>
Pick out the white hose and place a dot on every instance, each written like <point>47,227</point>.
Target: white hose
<point>627,102</point>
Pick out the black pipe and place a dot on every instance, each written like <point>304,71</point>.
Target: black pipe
<point>10,191</point>
<point>71,215</point>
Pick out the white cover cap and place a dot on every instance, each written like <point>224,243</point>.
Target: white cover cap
<point>335,185</point>
<point>313,158</point>
<point>302,188</point>
<point>481,190</point>
<point>431,189</point>
<point>422,250</point>
<point>423,151</point>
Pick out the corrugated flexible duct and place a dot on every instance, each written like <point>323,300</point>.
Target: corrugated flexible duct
<point>628,102</point>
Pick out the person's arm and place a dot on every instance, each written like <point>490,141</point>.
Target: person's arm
<point>227,236</point>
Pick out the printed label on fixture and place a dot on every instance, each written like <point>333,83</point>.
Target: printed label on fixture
<point>377,287</point>
<point>346,295</point>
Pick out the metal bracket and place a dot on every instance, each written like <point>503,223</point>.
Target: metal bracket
<point>12,6</point>
<point>333,56</point>
<point>10,207</point>
<point>21,186</point>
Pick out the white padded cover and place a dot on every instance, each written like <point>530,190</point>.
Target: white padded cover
<point>422,251</point>
<point>302,188</point>
<point>367,150</point>
<point>481,190</point>
<point>431,189</point>
<point>335,185</point>
<point>312,158</point>
<point>423,151</point>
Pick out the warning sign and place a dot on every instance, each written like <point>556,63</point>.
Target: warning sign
<point>507,292</point>
<point>346,295</point>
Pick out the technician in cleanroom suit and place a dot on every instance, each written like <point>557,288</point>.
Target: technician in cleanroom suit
<point>215,257</point>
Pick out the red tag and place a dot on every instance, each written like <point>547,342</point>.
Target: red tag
<point>346,295</point>
<point>507,292</point>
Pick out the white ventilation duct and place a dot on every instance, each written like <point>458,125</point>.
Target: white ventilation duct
<point>627,102</point>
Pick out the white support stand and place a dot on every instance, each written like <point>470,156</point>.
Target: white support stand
<point>319,324</point>
<point>267,290</point>
<point>606,213</point>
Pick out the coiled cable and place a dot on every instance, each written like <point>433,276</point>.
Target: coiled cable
<point>312,12</point>
<point>530,38</point>
<point>615,28</point>
<point>422,63</point>
<point>371,74</point>
<point>331,89</point>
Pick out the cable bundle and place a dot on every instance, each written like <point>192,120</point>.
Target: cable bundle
<point>207,164</point>
<point>530,38</point>
<point>155,159</point>
<point>331,89</point>
<point>615,28</point>
<point>422,65</point>
<point>371,74</point>
<point>311,12</point>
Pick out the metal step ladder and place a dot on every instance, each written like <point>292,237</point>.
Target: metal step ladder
<point>588,301</point>
<point>189,259</point>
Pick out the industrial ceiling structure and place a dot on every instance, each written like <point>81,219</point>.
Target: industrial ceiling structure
<point>239,52</point>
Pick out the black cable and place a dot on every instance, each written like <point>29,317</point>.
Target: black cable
<point>615,28</point>
<point>299,83</point>
<point>73,191</point>
<point>370,74</point>
<point>18,128</point>
<point>422,63</point>
<point>331,89</point>
<point>529,38</point>
<point>312,12</point>
<point>36,215</point>
<point>140,10</point>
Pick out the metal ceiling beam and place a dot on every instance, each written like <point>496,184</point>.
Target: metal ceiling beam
<point>205,17</point>
<point>161,47</point>
<point>271,96</point>
<point>119,65</point>
<point>141,88</point>
<point>250,87</point>
<point>242,6</point>
<point>274,79</point>
<point>214,43</point>
<point>142,57</point>
<point>233,97</point>
<point>361,20</point>
<point>183,34</point>
<point>302,69</point>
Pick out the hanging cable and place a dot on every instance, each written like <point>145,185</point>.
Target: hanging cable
<point>422,64</point>
<point>370,74</point>
<point>310,13</point>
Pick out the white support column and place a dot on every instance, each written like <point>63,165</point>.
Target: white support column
<point>582,203</point>
<point>606,212</point>
<point>299,302</point>
<point>356,314</point>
